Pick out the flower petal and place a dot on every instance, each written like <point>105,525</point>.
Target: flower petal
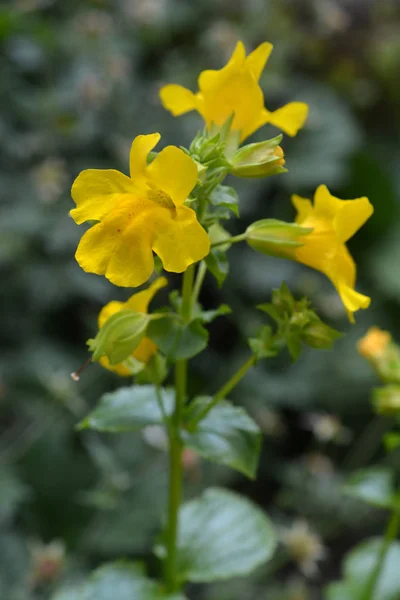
<point>120,369</point>
<point>96,191</point>
<point>173,172</point>
<point>352,215</point>
<point>141,146</point>
<point>290,118</point>
<point>98,244</point>
<point>177,99</point>
<point>180,242</point>
<point>108,310</point>
<point>132,263</point>
<point>140,301</point>
<point>304,208</point>
<point>352,300</point>
<point>145,350</point>
<point>257,59</point>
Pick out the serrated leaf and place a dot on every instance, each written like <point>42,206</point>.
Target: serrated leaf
<point>227,435</point>
<point>123,581</point>
<point>177,340</point>
<point>222,535</point>
<point>360,563</point>
<point>374,486</point>
<point>224,195</point>
<point>129,409</point>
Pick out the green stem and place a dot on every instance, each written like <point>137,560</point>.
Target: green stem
<point>175,447</point>
<point>201,273</point>
<point>225,389</point>
<point>230,240</point>
<point>390,535</point>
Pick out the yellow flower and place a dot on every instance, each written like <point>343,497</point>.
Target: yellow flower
<point>139,302</point>
<point>138,215</point>
<point>235,90</point>
<point>333,221</point>
<point>374,343</point>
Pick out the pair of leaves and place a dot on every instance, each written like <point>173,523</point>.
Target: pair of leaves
<point>227,435</point>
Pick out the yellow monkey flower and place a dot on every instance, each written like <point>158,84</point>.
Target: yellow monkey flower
<point>138,215</point>
<point>139,302</point>
<point>333,222</point>
<point>374,343</point>
<point>235,90</point>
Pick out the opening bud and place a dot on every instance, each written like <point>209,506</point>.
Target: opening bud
<point>276,238</point>
<point>259,160</point>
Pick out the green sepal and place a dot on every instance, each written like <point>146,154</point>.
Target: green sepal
<point>120,336</point>
<point>258,160</point>
<point>263,346</point>
<point>129,409</point>
<point>375,486</point>
<point>225,196</point>
<point>226,435</point>
<point>276,238</point>
<point>207,551</point>
<point>178,340</point>
<point>155,371</point>
<point>124,580</point>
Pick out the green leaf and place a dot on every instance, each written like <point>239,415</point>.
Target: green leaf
<point>218,265</point>
<point>227,435</point>
<point>120,335</point>
<point>222,535</point>
<point>129,409</point>
<point>374,486</point>
<point>360,563</point>
<point>262,346</point>
<point>123,581</point>
<point>207,316</point>
<point>224,195</point>
<point>177,340</point>
<point>391,441</point>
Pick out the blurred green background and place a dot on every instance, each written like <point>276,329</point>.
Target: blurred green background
<point>79,80</point>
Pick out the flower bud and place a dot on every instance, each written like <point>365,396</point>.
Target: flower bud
<point>378,347</point>
<point>318,335</point>
<point>258,160</point>
<point>275,238</point>
<point>387,400</point>
<point>119,336</point>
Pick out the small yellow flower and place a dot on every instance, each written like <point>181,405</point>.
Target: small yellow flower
<point>235,90</point>
<point>333,222</point>
<point>138,215</point>
<point>374,343</point>
<point>139,302</point>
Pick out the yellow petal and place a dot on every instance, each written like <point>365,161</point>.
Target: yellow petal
<point>352,300</point>
<point>210,78</point>
<point>326,206</point>
<point>290,118</point>
<point>96,191</point>
<point>304,208</point>
<point>145,350</point>
<point>173,172</point>
<point>108,310</point>
<point>140,301</point>
<point>120,369</point>
<point>177,99</point>
<point>238,55</point>
<point>98,244</point>
<point>131,262</point>
<point>257,59</point>
<point>141,146</point>
<point>352,215</point>
<point>181,241</point>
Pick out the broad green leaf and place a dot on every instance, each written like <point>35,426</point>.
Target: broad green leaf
<point>119,336</point>
<point>360,563</point>
<point>218,264</point>
<point>224,195</point>
<point>177,340</point>
<point>227,435</point>
<point>129,409</point>
<point>374,486</point>
<point>123,581</point>
<point>222,535</point>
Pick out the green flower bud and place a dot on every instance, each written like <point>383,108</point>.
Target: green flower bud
<point>259,160</point>
<point>119,336</point>
<point>318,335</point>
<point>387,400</point>
<point>275,238</point>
